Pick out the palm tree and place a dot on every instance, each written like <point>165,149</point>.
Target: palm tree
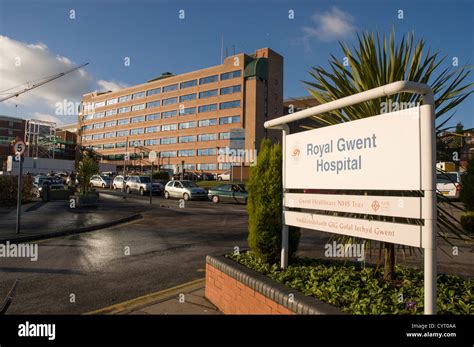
<point>374,62</point>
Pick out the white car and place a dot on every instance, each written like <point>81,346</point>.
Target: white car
<point>100,181</point>
<point>449,184</point>
<point>224,176</point>
<point>118,182</point>
<point>184,190</point>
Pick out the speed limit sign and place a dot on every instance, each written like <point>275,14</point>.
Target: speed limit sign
<point>19,147</point>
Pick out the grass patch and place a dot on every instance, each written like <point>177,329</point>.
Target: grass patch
<point>357,290</point>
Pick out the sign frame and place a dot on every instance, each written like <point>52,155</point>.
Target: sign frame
<point>427,168</point>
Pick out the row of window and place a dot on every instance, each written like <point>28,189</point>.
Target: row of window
<point>155,116</point>
<point>163,141</point>
<point>171,87</point>
<point>169,101</point>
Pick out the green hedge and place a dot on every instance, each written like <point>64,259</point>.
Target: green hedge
<point>357,290</point>
<point>8,189</point>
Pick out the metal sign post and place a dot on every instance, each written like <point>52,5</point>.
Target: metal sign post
<point>349,156</point>
<point>151,157</point>
<point>19,148</point>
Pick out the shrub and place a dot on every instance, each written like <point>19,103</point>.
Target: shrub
<point>467,187</point>
<point>467,221</point>
<point>265,205</point>
<point>8,189</point>
<point>161,175</point>
<point>87,168</point>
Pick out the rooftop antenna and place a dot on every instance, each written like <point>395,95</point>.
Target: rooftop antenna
<point>222,49</point>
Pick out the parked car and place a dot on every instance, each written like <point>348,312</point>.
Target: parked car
<point>100,181</point>
<point>38,191</point>
<point>228,193</point>
<point>40,180</point>
<point>142,185</point>
<point>449,184</point>
<point>205,176</point>
<point>118,182</point>
<point>224,176</point>
<point>184,189</point>
<point>188,176</point>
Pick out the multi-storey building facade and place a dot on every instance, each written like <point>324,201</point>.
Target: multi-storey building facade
<point>10,129</point>
<point>187,118</point>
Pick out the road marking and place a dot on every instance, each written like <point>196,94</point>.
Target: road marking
<point>147,299</point>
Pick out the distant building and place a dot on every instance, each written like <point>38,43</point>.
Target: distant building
<point>10,129</point>
<point>188,118</point>
<point>292,105</point>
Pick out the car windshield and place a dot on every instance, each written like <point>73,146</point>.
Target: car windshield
<point>144,179</point>
<point>447,177</point>
<point>105,178</point>
<point>188,184</point>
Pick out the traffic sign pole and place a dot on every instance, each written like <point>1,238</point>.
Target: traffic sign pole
<point>151,157</point>
<point>18,197</point>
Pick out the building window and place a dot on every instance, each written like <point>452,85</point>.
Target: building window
<point>112,101</point>
<point>170,101</point>
<point>138,107</point>
<point>151,142</point>
<point>99,115</point>
<point>188,84</point>
<point>207,137</point>
<point>138,95</point>
<point>153,129</point>
<point>123,121</point>
<point>134,143</point>
<point>169,127</point>
<point>89,116</point>
<point>152,104</point>
<point>186,111</point>
<point>98,125</point>
<point>167,154</point>
<point>186,139</point>
<point>111,112</point>
<point>137,119</point>
<point>170,88</point>
<point>207,108</point>
<point>111,123</point>
<point>190,166</point>
<point>209,79</point>
<point>207,94</point>
<point>207,151</point>
<point>87,127</point>
<point>207,167</point>
<point>122,133</point>
<point>187,125</point>
<point>230,90</point>
<point>97,136</point>
<point>224,136</point>
<point>169,114</point>
<point>153,116</point>
<point>186,153</point>
<point>229,120</point>
<point>96,147</point>
<point>99,104</point>
<point>109,135</point>
<point>120,145</point>
<point>208,122</point>
<point>153,91</point>
<point>124,109</point>
<point>187,97</point>
<point>229,104</point>
<point>168,140</point>
<point>224,166</point>
<point>229,75</point>
<point>136,131</point>
<point>125,98</point>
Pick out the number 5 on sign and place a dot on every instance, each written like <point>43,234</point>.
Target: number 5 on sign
<point>19,147</point>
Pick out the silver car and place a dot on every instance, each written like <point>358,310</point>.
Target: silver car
<point>118,182</point>
<point>100,181</point>
<point>184,190</point>
<point>142,185</point>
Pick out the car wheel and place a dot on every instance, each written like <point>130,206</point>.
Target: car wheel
<point>186,196</point>
<point>167,195</point>
<point>215,199</point>
<point>129,191</point>
<point>142,192</point>
<point>103,185</point>
<point>115,187</point>
<point>219,178</point>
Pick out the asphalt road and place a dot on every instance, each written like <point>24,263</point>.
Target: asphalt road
<point>165,248</point>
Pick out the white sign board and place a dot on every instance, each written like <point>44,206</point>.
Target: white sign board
<point>377,153</point>
<point>404,234</point>
<point>19,147</point>
<point>396,206</point>
<point>152,156</point>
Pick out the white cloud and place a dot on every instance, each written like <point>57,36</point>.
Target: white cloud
<point>110,85</point>
<point>22,62</point>
<point>332,25</point>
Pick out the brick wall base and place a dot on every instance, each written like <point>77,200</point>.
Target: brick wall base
<point>233,297</point>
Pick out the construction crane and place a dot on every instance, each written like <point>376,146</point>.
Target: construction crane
<point>42,82</point>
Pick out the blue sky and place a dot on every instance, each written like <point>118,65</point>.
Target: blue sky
<point>156,40</point>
